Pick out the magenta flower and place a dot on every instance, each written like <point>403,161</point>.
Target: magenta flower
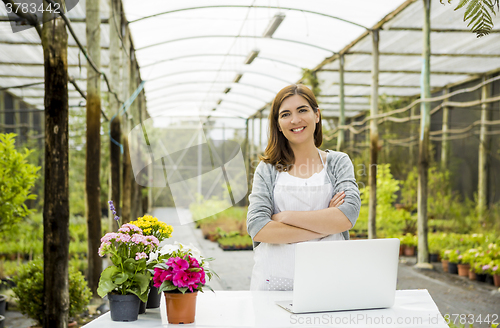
<point>178,264</point>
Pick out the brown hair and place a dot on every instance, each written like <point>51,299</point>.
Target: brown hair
<point>278,151</point>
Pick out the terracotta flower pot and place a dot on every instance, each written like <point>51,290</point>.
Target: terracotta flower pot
<point>409,250</point>
<point>496,280</point>
<point>463,269</point>
<point>472,275</point>
<point>444,263</point>
<point>181,308</point>
<point>401,249</point>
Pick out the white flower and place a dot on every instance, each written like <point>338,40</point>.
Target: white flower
<point>152,257</point>
<point>169,249</point>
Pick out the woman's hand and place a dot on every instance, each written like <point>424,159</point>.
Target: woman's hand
<point>337,200</point>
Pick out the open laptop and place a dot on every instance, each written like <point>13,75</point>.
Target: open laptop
<point>344,275</point>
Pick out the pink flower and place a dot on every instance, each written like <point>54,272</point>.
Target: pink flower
<point>139,256</point>
<point>109,236</point>
<point>152,240</point>
<point>127,227</point>
<point>495,268</point>
<point>102,248</point>
<point>178,263</point>
<point>485,267</point>
<point>138,239</point>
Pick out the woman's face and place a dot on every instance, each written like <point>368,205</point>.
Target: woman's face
<point>297,120</point>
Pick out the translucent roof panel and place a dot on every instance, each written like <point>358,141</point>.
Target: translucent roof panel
<point>198,48</point>
<point>213,58</point>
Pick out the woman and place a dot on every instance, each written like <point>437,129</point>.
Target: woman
<point>299,192</point>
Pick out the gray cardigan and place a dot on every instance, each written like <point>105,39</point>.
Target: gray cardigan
<point>341,173</point>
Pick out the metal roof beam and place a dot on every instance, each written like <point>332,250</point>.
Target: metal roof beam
<point>243,6</point>
<point>203,92</point>
<point>234,36</point>
<point>41,65</point>
<point>395,72</point>
<point>25,43</point>
<point>420,54</point>
<point>220,70</point>
<point>437,30</point>
<point>210,83</point>
<point>219,55</point>
<point>380,85</point>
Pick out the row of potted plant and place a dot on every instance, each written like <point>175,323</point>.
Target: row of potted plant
<point>482,264</point>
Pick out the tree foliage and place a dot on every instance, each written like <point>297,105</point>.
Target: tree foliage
<point>17,177</point>
<point>478,13</point>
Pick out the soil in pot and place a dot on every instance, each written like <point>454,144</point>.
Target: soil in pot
<point>124,307</point>
<point>452,268</point>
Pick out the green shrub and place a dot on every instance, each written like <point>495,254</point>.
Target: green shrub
<point>17,177</point>
<point>390,221</point>
<point>29,290</point>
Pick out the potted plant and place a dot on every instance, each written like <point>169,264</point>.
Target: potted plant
<point>29,291</point>
<point>464,261</point>
<point>180,275</point>
<point>126,282</point>
<point>496,273</point>
<point>434,248</point>
<point>151,226</point>
<point>445,259</point>
<point>410,241</point>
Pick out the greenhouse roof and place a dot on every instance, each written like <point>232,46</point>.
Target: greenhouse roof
<point>222,58</point>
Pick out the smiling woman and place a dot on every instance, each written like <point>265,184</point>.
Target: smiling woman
<point>299,192</point>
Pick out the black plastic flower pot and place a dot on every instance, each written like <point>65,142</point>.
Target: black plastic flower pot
<point>3,301</point>
<point>2,321</point>
<point>142,307</point>
<point>153,298</point>
<point>481,277</point>
<point>124,307</point>
<point>452,268</point>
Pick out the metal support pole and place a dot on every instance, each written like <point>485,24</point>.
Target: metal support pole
<point>341,136</point>
<point>247,153</point>
<point>372,178</point>
<point>482,189</point>
<point>445,143</point>
<point>423,154</point>
<point>260,133</point>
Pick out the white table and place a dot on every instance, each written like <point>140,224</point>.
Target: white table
<point>413,308</point>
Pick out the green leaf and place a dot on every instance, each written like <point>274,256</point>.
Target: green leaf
<point>121,278</point>
<point>461,4</point>
<point>142,281</point>
<point>129,265</point>
<point>106,284</point>
<point>183,289</point>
